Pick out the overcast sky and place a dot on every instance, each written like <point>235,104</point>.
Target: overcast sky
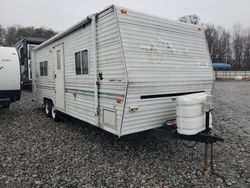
<point>61,14</point>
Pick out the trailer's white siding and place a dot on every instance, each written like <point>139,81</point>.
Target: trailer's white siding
<point>79,89</point>
<point>44,85</point>
<point>161,57</point>
<point>137,55</point>
<point>110,63</point>
<point>80,106</point>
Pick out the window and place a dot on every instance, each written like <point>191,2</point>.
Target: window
<point>44,68</point>
<point>58,58</point>
<point>81,62</point>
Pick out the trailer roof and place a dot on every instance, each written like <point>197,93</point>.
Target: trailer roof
<point>30,40</point>
<point>34,40</point>
<point>87,20</point>
<point>69,30</point>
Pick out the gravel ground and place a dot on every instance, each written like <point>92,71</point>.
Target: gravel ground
<point>37,152</point>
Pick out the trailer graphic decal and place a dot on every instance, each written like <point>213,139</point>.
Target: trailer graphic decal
<point>162,48</point>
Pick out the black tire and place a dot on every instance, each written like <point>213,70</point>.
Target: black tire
<point>47,108</point>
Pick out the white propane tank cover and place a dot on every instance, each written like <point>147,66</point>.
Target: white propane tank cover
<point>186,100</point>
<point>208,104</point>
<point>191,117</point>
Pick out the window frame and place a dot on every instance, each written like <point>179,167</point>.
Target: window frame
<point>81,63</point>
<point>43,68</point>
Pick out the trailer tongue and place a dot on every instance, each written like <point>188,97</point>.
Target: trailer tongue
<point>207,137</point>
<point>194,123</point>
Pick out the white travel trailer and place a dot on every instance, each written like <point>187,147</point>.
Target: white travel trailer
<point>121,70</point>
<point>10,81</point>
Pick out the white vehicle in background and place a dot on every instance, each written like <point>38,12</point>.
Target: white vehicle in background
<point>10,83</point>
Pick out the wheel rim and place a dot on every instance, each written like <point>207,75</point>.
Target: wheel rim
<point>47,109</point>
<point>53,112</point>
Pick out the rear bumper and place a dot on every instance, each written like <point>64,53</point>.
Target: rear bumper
<point>10,95</point>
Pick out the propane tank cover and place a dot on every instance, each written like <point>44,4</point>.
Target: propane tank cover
<point>191,114</point>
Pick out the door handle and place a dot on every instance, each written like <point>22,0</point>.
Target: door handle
<point>55,75</point>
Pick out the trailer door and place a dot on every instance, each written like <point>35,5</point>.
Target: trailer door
<point>59,77</point>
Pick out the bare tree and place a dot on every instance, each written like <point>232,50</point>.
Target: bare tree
<point>246,50</point>
<point>219,43</point>
<point>10,36</point>
<point>14,34</point>
<point>231,47</point>
<point>237,46</point>
<point>2,35</point>
<point>212,35</point>
<point>224,47</point>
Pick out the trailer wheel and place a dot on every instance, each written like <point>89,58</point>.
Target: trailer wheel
<point>54,113</point>
<point>47,108</point>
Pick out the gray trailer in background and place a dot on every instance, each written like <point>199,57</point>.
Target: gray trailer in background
<point>24,48</point>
